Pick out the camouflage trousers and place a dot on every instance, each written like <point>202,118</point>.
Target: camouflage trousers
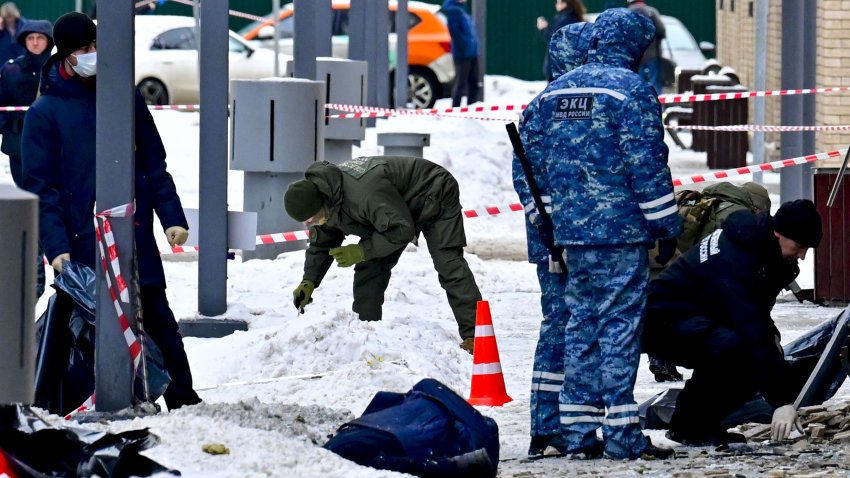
<point>605,295</point>
<point>548,376</point>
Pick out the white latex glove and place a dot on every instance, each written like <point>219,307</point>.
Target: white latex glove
<point>555,266</point>
<point>176,236</point>
<point>784,420</point>
<point>58,260</point>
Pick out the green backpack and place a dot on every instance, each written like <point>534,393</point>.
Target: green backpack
<point>704,212</point>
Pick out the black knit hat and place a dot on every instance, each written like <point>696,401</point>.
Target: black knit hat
<point>302,200</point>
<point>71,32</point>
<point>800,221</point>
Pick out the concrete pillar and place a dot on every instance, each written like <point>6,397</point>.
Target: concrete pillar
<point>404,144</point>
<point>19,222</point>
<point>278,131</point>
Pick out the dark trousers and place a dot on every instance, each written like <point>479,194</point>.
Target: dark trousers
<point>161,327</point>
<point>722,379</point>
<point>466,81</point>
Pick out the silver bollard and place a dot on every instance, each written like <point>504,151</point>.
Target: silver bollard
<point>19,223</point>
<point>278,131</point>
<point>404,144</point>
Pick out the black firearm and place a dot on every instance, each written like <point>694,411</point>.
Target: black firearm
<point>546,229</point>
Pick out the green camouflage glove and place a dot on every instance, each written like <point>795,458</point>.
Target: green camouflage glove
<point>301,294</point>
<point>347,256</point>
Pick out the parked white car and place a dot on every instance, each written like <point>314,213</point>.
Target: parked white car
<point>167,60</point>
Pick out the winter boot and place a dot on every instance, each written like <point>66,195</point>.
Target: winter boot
<point>468,345</point>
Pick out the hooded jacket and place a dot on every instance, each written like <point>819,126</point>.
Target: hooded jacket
<point>462,30</point>
<point>19,86</point>
<point>732,277</point>
<point>567,51</point>
<point>59,167</point>
<point>384,200</point>
<point>598,129</point>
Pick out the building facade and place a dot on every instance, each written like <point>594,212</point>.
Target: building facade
<point>736,36</point>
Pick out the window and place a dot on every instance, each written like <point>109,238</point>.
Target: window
<point>176,39</point>
<point>235,46</point>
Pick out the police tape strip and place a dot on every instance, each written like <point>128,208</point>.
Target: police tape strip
<point>673,99</point>
<point>783,163</point>
<point>756,127</point>
<point>664,99</point>
<point>515,207</point>
<point>104,236</point>
<point>378,112</point>
<point>232,13</point>
<point>150,107</point>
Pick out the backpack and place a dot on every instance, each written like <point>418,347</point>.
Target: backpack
<point>429,431</point>
<point>704,212</point>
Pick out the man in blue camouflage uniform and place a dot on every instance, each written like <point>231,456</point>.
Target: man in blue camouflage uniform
<point>600,134</point>
<point>567,51</point>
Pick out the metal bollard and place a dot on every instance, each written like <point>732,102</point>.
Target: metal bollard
<point>278,131</point>
<point>19,222</point>
<point>404,144</point>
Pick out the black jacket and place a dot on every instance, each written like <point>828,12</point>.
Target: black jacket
<point>733,277</point>
<point>19,86</point>
<point>59,167</point>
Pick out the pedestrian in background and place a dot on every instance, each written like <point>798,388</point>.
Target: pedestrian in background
<point>598,128</point>
<point>566,12</point>
<point>59,148</point>
<point>567,51</point>
<point>650,63</point>
<point>18,87</point>
<point>387,202</point>
<point>11,22</point>
<point>464,51</point>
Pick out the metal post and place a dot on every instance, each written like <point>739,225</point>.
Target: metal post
<point>276,38</point>
<point>313,20</point>
<point>793,39</point>
<point>212,218</point>
<point>809,63</point>
<point>368,31</point>
<point>78,6</point>
<point>479,13</point>
<point>19,222</point>
<point>401,69</point>
<point>115,186</point>
<point>762,10</point>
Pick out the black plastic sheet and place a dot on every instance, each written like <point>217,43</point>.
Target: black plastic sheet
<point>802,354</point>
<point>32,448</point>
<point>65,335</point>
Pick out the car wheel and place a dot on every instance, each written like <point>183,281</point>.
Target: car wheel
<point>422,88</point>
<point>153,91</point>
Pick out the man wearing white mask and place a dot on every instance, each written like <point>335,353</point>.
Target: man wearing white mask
<point>59,148</point>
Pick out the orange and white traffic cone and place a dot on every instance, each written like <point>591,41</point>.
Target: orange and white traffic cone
<point>488,383</point>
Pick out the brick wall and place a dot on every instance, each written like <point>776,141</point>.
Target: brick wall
<point>736,48</point>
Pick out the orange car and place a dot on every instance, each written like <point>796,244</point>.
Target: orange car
<point>431,71</point>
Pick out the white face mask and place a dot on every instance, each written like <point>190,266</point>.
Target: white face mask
<point>86,64</point>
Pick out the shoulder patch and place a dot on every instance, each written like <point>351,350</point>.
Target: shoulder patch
<point>573,107</point>
<point>357,167</point>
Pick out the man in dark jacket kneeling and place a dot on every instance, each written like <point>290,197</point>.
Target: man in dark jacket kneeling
<point>387,202</point>
<point>710,311</point>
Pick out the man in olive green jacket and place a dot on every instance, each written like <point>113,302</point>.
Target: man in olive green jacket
<point>387,202</point>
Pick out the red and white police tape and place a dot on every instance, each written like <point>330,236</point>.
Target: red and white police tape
<point>495,210</point>
<point>359,111</point>
<point>758,127</point>
<point>104,236</point>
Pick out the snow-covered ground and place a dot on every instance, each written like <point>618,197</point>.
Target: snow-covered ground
<point>276,428</point>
